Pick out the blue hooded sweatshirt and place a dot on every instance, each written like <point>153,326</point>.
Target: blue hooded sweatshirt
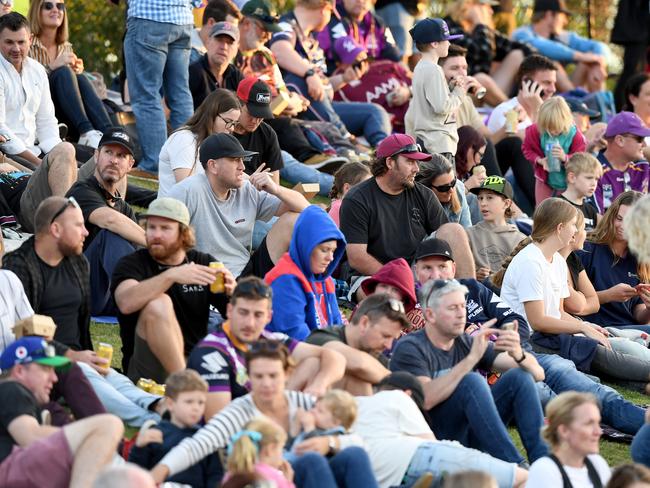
<point>303,301</point>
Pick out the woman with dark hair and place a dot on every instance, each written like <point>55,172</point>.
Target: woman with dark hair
<point>269,364</point>
<point>637,100</point>
<point>179,156</point>
<point>470,151</point>
<point>73,95</point>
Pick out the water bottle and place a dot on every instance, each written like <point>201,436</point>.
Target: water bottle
<point>553,163</point>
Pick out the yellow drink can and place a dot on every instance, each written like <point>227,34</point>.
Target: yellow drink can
<point>218,285</point>
<point>105,351</point>
<point>157,389</point>
<point>145,384</point>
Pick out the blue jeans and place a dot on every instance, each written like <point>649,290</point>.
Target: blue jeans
<point>296,172</point>
<point>640,449</point>
<point>367,119</point>
<point>476,415</point>
<point>311,470</point>
<point>76,99</point>
<point>399,21</point>
<point>351,468</point>
<point>562,375</point>
<point>157,55</point>
<point>121,397</point>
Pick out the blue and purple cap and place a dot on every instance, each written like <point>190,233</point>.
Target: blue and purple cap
<point>432,30</point>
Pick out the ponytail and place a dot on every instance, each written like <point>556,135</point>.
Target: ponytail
<point>243,451</point>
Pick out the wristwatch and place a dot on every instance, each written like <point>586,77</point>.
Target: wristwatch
<point>308,73</point>
<point>521,359</point>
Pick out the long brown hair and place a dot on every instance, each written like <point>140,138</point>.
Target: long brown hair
<point>605,232</point>
<point>34,16</point>
<point>438,165</point>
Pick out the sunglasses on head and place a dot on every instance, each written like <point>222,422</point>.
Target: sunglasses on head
<point>411,148</point>
<point>252,287</point>
<point>70,202</point>
<point>265,346</point>
<point>437,285</point>
<point>390,304</point>
<point>52,5</point>
<point>447,187</point>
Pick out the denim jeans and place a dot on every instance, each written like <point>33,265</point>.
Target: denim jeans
<point>296,172</point>
<point>157,55</point>
<point>121,397</point>
<point>399,21</point>
<point>447,457</point>
<point>640,449</point>
<point>351,468</point>
<point>562,375</point>
<point>311,470</point>
<point>76,99</point>
<point>476,415</point>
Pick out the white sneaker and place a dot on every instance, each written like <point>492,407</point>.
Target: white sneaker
<point>90,138</point>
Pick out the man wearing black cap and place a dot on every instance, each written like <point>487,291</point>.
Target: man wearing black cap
<point>214,70</point>
<point>546,34</point>
<point>224,204</point>
<point>112,228</point>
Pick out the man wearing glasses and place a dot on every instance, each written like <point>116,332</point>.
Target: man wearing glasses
<point>624,166</point>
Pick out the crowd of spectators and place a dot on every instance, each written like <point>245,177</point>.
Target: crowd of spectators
<point>482,263</point>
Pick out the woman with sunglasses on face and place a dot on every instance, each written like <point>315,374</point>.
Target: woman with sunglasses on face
<point>179,156</point>
<point>269,365</point>
<point>438,174</point>
<point>73,95</point>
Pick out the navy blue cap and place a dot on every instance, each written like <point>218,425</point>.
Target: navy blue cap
<point>432,30</point>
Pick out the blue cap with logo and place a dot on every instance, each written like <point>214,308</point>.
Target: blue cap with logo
<point>31,349</point>
<point>432,30</point>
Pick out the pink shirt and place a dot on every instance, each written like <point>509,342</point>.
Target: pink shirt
<point>335,208</point>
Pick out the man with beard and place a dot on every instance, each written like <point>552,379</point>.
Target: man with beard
<point>387,216</point>
<point>112,228</point>
<point>163,294</point>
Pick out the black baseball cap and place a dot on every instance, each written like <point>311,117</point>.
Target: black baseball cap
<point>405,381</point>
<point>497,184</point>
<point>222,146</point>
<point>262,11</point>
<point>117,135</point>
<point>432,30</point>
<point>578,106</point>
<point>552,5</point>
<point>256,95</point>
<point>433,247</point>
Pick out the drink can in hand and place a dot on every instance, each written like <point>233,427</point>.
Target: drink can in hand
<point>218,285</point>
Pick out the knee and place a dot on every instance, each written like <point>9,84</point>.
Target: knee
<point>519,377</point>
<point>453,233</point>
<point>351,454</point>
<point>63,154</point>
<point>63,73</point>
<point>108,426</point>
<point>309,461</point>
<point>158,310</point>
<point>287,221</point>
<point>473,382</point>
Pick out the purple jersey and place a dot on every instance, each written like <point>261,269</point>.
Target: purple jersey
<point>615,182</point>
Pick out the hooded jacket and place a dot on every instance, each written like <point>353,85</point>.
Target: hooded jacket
<point>492,244</point>
<point>396,273</point>
<point>303,301</point>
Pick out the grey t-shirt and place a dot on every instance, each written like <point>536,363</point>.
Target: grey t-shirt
<point>224,229</point>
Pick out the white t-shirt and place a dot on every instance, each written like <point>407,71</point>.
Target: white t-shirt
<point>388,423</point>
<point>14,306</point>
<point>224,229</point>
<point>179,151</point>
<point>498,116</point>
<point>531,277</point>
<point>544,473</point>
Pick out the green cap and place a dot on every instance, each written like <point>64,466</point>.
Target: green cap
<point>169,208</point>
<point>264,12</point>
<point>497,184</point>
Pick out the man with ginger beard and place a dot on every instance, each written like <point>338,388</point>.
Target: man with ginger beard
<point>163,294</point>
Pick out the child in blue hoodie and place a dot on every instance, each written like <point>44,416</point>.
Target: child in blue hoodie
<point>304,295</point>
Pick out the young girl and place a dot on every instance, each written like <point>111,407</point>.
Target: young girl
<point>258,449</point>
<point>438,175</point>
<point>535,284</point>
<point>347,176</point>
<point>493,239</point>
<point>549,143</point>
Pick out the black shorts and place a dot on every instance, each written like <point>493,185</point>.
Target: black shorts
<point>260,262</point>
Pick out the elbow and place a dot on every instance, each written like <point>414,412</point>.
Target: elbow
<point>336,360</point>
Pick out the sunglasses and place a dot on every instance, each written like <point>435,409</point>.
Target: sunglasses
<point>229,123</point>
<point>389,304</point>
<point>638,139</point>
<point>407,149</point>
<point>265,346</point>
<point>252,287</point>
<point>51,5</point>
<point>70,202</point>
<point>445,188</point>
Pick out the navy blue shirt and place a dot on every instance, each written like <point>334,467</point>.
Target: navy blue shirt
<point>605,271</point>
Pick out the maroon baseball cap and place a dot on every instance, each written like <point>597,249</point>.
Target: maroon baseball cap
<point>626,123</point>
<point>401,144</point>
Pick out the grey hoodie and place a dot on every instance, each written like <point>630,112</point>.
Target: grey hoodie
<point>491,244</point>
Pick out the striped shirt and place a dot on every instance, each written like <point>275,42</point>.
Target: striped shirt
<point>178,12</point>
<point>38,52</point>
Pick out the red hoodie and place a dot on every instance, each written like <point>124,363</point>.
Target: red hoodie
<point>396,273</point>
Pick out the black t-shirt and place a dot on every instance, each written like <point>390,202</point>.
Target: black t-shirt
<point>320,337</point>
<point>202,82</point>
<point>90,196</point>
<point>588,210</point>
<point>264,141</point>
<point>16,401</point>
<point>61,300</point>
<point>391,225</point>
<point>191,302</point>
<point>575,266</point>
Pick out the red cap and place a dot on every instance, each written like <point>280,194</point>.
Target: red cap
<point>401,144</point>
<point>256,95</point>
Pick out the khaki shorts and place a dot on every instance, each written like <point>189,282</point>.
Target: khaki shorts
<point>37,190</point>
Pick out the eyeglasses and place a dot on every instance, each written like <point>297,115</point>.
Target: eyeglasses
<point>229,123</point>
<point>251,287</point>
<point>70,202</point>
<point>445,188</point>
<point>638,139</point>
<point>407,149</point>
<point>51,5</point>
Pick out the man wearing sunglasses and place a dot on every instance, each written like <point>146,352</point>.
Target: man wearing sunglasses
<point>220,357</point>
<point>435,262</point>
<point>28,127</point>
<point>624,166</point>
<point>386,217</point>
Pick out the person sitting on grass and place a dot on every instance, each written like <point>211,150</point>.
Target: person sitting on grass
<point>185,397</point>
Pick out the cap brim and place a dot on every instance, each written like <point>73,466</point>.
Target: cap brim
<point>641,132</point>
<point>588,112</point>
<point>225,33</point>
<point>430,254</point>
<point>477,189</point>
<point>56,362</point>
<point>262,111</point>
<point>271,27</point>
<point>418,156</point>
<point>454,37</point>
<point>110,143</point>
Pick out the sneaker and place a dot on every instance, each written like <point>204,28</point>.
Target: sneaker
<point>326,162</point>
<point>143,173</point>
<point>90,138</point>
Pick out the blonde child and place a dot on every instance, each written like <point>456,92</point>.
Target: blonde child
<point>582,174</point>
<point>347,176</point>
<point>548,144</point>
<point>258,449</point>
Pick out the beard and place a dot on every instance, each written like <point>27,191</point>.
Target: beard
<point>160,252</point>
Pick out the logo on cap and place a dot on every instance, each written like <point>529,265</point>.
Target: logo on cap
<point>122,135</point>
<point>263,98</point>
<point>21,352</point>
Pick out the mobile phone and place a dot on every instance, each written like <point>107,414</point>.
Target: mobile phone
<point>533,86</point>
<point>508,326</point>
